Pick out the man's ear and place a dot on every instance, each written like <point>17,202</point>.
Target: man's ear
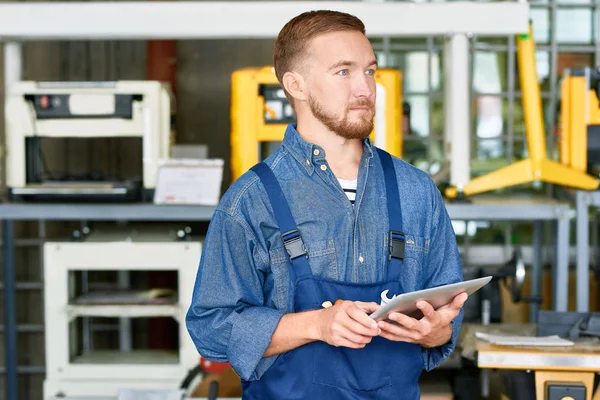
<point>295,85</point>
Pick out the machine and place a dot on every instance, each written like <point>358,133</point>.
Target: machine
<point>580,120</point>
<point>260,113</point>
<point>45,118</point>
<point>110,324</point>
<point>537,167</point>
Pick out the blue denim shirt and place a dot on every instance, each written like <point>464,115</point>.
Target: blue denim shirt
<point>241,289</point>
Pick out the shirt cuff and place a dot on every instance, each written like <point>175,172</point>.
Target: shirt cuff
<point>433,357</point>
<point>251,335</point>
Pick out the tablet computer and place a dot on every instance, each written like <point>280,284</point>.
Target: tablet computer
<point>439,296</point>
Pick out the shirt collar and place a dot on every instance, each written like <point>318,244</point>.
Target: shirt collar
<point>306,153</point>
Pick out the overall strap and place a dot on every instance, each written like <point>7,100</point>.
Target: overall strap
<point>294,245</point>
<point>396,236</point>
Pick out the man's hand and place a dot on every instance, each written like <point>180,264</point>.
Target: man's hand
<point>430,331</point>
<point>347,324</point>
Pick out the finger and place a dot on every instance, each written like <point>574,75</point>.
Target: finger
<point>426,309</point>
<point>358,328</point>
<point>360,316</point>
<point>396,330</point>
<point>404,320</point>
<point>448,315</point>
<point>394,338</point>
<point>459,301</point>
<point>456,303</point>
<point>343,342</point>
<point>367,307</point>
<point>356,338</point>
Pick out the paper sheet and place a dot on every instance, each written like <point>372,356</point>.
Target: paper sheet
<point>512,340</point>
<point>133,394</point>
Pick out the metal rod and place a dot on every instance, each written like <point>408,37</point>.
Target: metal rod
<point>510,83</point>
<point>553,79</point>
<point>561,277</point>
<point>27,370</point>
<point>429,98</point>
<point>10,314</point>
<point>502,47</point>
<point>457,109</point>
<point>583,255</point>
<point>536,268</point>
<point>26,328</point>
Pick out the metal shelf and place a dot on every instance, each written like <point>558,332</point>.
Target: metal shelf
<point>107,357</point>
<point>104,212</point>
<point>128,311</point>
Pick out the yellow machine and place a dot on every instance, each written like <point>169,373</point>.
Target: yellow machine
<point>260,113</point>
<point>537,167</point>
<point>580,120</point>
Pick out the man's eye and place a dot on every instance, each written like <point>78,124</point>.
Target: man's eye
<point>343,72</point>
<point>370,72</point>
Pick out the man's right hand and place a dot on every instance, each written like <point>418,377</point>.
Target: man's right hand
<point>346,324</point>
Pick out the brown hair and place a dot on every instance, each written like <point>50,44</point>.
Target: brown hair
<point>293,39</point>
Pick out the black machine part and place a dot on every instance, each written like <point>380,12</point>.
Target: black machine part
<point>515,269</point>
<point>588,325</point>
<point>567,324</point>
<point>566,391</point>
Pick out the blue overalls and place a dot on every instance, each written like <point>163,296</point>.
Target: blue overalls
<point>381,370</point>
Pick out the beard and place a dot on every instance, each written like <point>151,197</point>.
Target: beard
<point>360,129</point>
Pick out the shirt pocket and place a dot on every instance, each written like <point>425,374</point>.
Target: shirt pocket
<point>322,259</point>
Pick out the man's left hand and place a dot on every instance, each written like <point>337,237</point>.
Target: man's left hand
<point>432,330</point>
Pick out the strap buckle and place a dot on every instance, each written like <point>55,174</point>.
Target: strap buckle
<point>396,244</point>
<point>294,245</point>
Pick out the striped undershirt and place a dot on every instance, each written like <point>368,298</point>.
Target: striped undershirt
<point>349,188</point>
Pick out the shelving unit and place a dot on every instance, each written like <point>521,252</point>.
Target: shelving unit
<point>71,368</point>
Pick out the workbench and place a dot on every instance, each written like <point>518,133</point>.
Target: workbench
<point>578,363</point>
<point>483,208</point>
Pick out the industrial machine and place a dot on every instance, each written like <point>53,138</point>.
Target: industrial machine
<point>260,113</point>
<point>580,120</point>
<point>110,326</point>
<point>537,167</point>
<point>128,115</point>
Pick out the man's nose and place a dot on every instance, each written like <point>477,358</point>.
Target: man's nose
<point>363,86</point>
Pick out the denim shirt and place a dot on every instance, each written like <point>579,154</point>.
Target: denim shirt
<point>241,289</point>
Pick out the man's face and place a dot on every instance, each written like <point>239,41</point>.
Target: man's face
<point>341,83</point>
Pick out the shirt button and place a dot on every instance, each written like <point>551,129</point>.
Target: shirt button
<point>316,152</point>
<point>307,162</point>
<point>361,259</point>
<point>323,167</point>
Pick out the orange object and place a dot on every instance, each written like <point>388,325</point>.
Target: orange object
<point>338,301</point>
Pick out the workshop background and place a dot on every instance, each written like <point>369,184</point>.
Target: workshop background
<point>566,34</point>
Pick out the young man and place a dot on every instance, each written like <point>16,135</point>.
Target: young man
<point>286,239</point>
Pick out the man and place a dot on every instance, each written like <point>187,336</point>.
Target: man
<point>286,242</point>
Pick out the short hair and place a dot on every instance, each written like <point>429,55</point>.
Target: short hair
<point>292,41</point>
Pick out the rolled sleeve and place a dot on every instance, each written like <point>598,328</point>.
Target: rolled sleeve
<point>228,320</point>
<point>444,267</point>
<point>250,337</point>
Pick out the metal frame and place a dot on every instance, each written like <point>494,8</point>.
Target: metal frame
<point>584,200</point>
<point>525,211</point>
<point>68,212</point>
<point>227,20</point>
<point>211,20</point>
<point>536,212</point>
<point>243,20</point>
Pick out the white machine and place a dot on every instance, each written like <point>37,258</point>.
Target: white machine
<point>98,330</point>
<point>42,111</point>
